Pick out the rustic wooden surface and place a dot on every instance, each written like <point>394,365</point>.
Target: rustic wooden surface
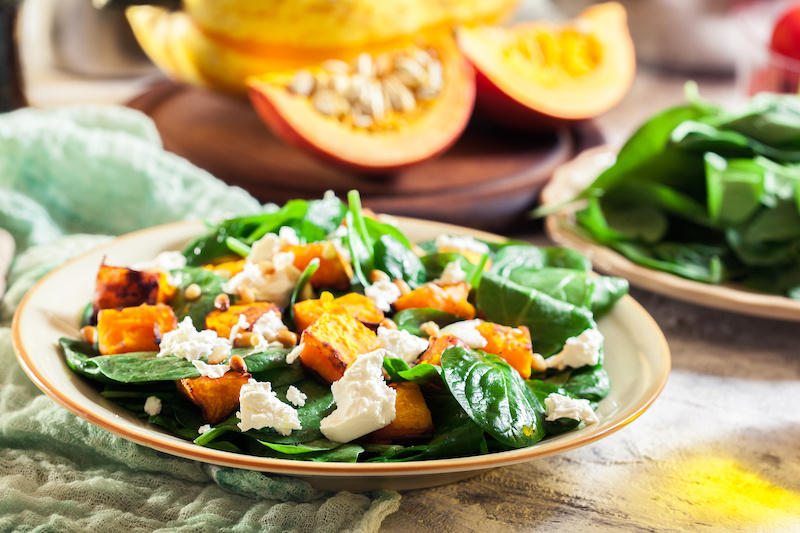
<point>489,179</point>
<point>717,452</point>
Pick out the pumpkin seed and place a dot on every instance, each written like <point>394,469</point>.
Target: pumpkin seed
<point>302,83</point>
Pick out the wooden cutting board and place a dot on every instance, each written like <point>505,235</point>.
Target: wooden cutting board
<point>489,179</point>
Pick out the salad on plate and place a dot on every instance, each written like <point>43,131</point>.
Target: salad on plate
<point>319,332</point>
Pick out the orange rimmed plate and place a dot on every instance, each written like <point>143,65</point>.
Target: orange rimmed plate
<point>637,360</point>
<point>572,177</point>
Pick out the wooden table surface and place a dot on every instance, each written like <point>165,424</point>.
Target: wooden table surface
<point>717,452</point>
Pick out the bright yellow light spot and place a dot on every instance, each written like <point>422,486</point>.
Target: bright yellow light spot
<point>720,492</point>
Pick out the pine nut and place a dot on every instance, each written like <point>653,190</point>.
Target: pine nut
<point>222,302</point>
<point>329,252</point>
<point>246,295</point>
<point>247,339</point>
<point>238,365</point>
<point>89,334</point>
<point>219,354</point>
<point>429,328</point>
<point>403,286</point>
<point>378,275</point>
<point>538,363</point>
<point>192,292</point>
<point>388,323</point>
<point>287,338</point>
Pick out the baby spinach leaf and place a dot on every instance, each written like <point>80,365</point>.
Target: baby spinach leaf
<point>735,188</point>
<point>411,319</point>
<point>210,287</point>
<point>591,383</point>
<point>550,321</point>
<point>422,374</point>
<point>494,396</point>
<point>512,257</point>
<point>398,261</point>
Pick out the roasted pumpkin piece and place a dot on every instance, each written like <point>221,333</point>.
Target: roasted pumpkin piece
<point>413,420</point>
<point>512,344</point>
<point>133,329</point>
<point>449,298</point>
<point>223,321</point>
<point>227,268</point>
<point>333,342</point>
<point>118,287</point>
<point>217,398</point>
<point>436,347</point>
<point>355,304</point>
<point>334,271</point>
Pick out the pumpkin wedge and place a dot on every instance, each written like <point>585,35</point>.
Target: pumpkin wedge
<point>368,124</point>
<point>539,75</point>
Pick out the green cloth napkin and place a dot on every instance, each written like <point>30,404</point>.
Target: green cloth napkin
<point>69,180</point>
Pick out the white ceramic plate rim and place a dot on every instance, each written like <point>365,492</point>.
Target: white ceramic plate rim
<point>42,318</point>
<point>574,176</point>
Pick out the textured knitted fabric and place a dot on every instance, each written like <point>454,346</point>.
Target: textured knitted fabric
<point>70,180</point>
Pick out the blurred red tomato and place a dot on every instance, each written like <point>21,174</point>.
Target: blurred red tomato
<point>786,34</point>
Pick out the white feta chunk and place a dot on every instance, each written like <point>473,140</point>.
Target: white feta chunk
<point>205,428</point>
<point>268,246</point>
<point>276,287</point>
<point>461,242</point>
<point>269,325</point>
<point>164,262</point>
<point>384,293</point>
<point>560,406</point>
<point>187,342</point>
<point>241,325</point>
<point>467,331</point>
<point>364,403</point>
<point>210,371</point>
<point>152,406</point>
<point>295,353</point>
<point>452,274</point>
<point>260,408</point>
<point>578,351</point>
<point>296,396</point>
<point>401,344</point>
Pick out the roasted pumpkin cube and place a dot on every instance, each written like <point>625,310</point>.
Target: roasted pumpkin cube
<point>334,271</point>
<point>436,347</point>
<point>223,321</point>
<point>118,287</point>
<point>227,266</point>
<point>512,344</point>
<point>333,342</point>
<point>217,398</point>
<point>357,305</point>
<point>449,298</point>
<point>133,329</point>
<point>413,420</point>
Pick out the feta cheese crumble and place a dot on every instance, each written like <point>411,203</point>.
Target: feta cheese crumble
<point>295,353</point>
<point>384,293</point>
<point>241,325</point>
<point>401,344</point>
<point>259,408</point>
<point>461,242</point>
<point>364,403</point>
<point>152,406</point>
<point>268,246</point>
<point>269,325</point>
<point>205,428</point>
<point>578,351</point>
<point>560,406</point>
<point>276,288</point>
<point>211,371</point>
<point>296,396</point>
<point>452,274</point>
<point>467,331</point>
<point>187,342</point>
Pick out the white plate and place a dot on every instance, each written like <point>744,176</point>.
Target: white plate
<point>574,176</point>
<point>637,360</point>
